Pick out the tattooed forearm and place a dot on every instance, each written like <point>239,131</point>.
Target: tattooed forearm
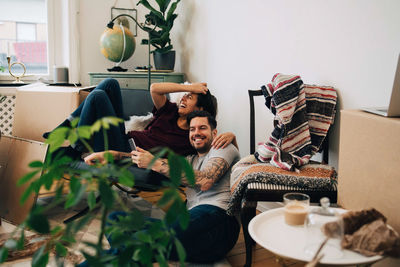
<point>161,166</point>
<point>214,169</point>
<point>205,179</point>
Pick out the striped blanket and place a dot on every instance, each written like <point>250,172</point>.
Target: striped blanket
<point>304,114</point>
<point>250,173</point>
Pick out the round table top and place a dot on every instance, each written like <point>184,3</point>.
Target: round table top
<point>270,231</point>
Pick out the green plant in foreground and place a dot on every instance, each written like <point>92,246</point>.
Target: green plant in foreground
<point>139,241</point>
<point>164,19</point>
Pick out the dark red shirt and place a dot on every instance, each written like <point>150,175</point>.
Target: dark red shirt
<point>163,131</point>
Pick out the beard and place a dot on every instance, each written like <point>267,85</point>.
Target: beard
<point>202,148</point>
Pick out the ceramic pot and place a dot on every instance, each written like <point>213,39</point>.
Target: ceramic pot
<point>164,61</point>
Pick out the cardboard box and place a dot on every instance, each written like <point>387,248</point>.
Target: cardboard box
<point>369,164</point>
<point>40,108</point>
<point>15,155</point>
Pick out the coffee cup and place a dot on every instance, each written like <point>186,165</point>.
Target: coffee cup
<point>296,208</point>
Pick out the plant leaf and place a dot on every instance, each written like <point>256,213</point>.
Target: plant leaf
<point>143,236</point>
<point>172,9</point>
<point>56,230</point>
<point>61,250</point>
<point>72,136</point>
<point>74,197</point>
<point>167,197</point>
<point>3,254</point>
<point>57,138</point>
<point>96,126</point>
<point>40,258</point>
<point>74,122</point>
<point>125,256</point>
<point>184,217</point>
<point>161,260</point>
<point>91,260</point>
<point>84,131</point>
<point>175,168</point>
<point>27,177</point>
<point>27,193</point>
<point>36,164</point>
<point>91,200</point>
<point>21,241</point>
<point>149,7</point>
<point>106,193</point>
<point>38,222</point>
<point>82,222</point>
<point>181,251</point>
<point>188,170</point>
<point>126,178</point>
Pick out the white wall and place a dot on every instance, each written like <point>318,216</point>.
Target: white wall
<point>238,45</point>
<point>94,16</point>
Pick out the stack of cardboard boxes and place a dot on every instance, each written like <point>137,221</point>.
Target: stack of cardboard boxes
<point>39,108</point>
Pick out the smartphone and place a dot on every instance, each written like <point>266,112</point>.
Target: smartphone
<point>132,144</point>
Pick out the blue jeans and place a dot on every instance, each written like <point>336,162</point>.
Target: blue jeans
<point>211,234</point>
<point>105,100</point>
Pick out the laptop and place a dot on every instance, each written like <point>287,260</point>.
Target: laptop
<point>393,110</point>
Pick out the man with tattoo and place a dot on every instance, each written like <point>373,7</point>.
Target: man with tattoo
<point>211,232</point>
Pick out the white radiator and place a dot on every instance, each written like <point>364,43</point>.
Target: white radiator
<point>7,106</point>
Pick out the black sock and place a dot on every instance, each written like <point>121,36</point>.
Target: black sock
<point>67,151</point>
<point>66,123</point>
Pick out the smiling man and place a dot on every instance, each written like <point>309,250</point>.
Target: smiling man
<point>211,232</point>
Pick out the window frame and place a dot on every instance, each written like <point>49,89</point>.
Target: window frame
<point>53,31</point>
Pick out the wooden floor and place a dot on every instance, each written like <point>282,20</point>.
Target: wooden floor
<point>261,257</point>
<point>237,256</point>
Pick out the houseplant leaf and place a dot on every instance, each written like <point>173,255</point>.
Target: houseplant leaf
<point>181,251</point>
<point>149,7</point>
<point>163,4</point>
<point>3,254</point>
<point>61,250</point>
<point>172,9</point>
<point>107,197</point>
<point>40,258</point>
<point>27,177</point>
<point>38,222</point>
<point>175,168</point>
<point>91,200</point>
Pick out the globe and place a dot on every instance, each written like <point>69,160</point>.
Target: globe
<point>112,43</point>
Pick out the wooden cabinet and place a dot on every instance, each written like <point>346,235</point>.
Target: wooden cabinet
<point>135,80</point>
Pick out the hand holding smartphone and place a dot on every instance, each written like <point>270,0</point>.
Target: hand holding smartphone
<point>132,144</point>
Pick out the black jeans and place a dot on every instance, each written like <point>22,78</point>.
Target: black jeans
<point>211,234</point>
<point>146,180</point>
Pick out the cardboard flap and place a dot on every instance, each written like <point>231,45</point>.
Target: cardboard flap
<point>15,155</point>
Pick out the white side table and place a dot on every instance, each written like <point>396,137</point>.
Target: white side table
<point>270,231</point>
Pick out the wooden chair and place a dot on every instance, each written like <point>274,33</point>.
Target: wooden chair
<point>259,191</point>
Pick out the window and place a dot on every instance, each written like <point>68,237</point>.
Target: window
<point>24,36</point>
<point>26,32</point>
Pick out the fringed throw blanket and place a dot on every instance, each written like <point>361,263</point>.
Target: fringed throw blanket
<point>249,171</point>
<point>304,114</point>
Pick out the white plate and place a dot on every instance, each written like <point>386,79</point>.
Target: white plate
<point>270,231</point>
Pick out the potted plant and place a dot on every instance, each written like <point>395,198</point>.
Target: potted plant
<point>140,241</point>
<point>163,18</point>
